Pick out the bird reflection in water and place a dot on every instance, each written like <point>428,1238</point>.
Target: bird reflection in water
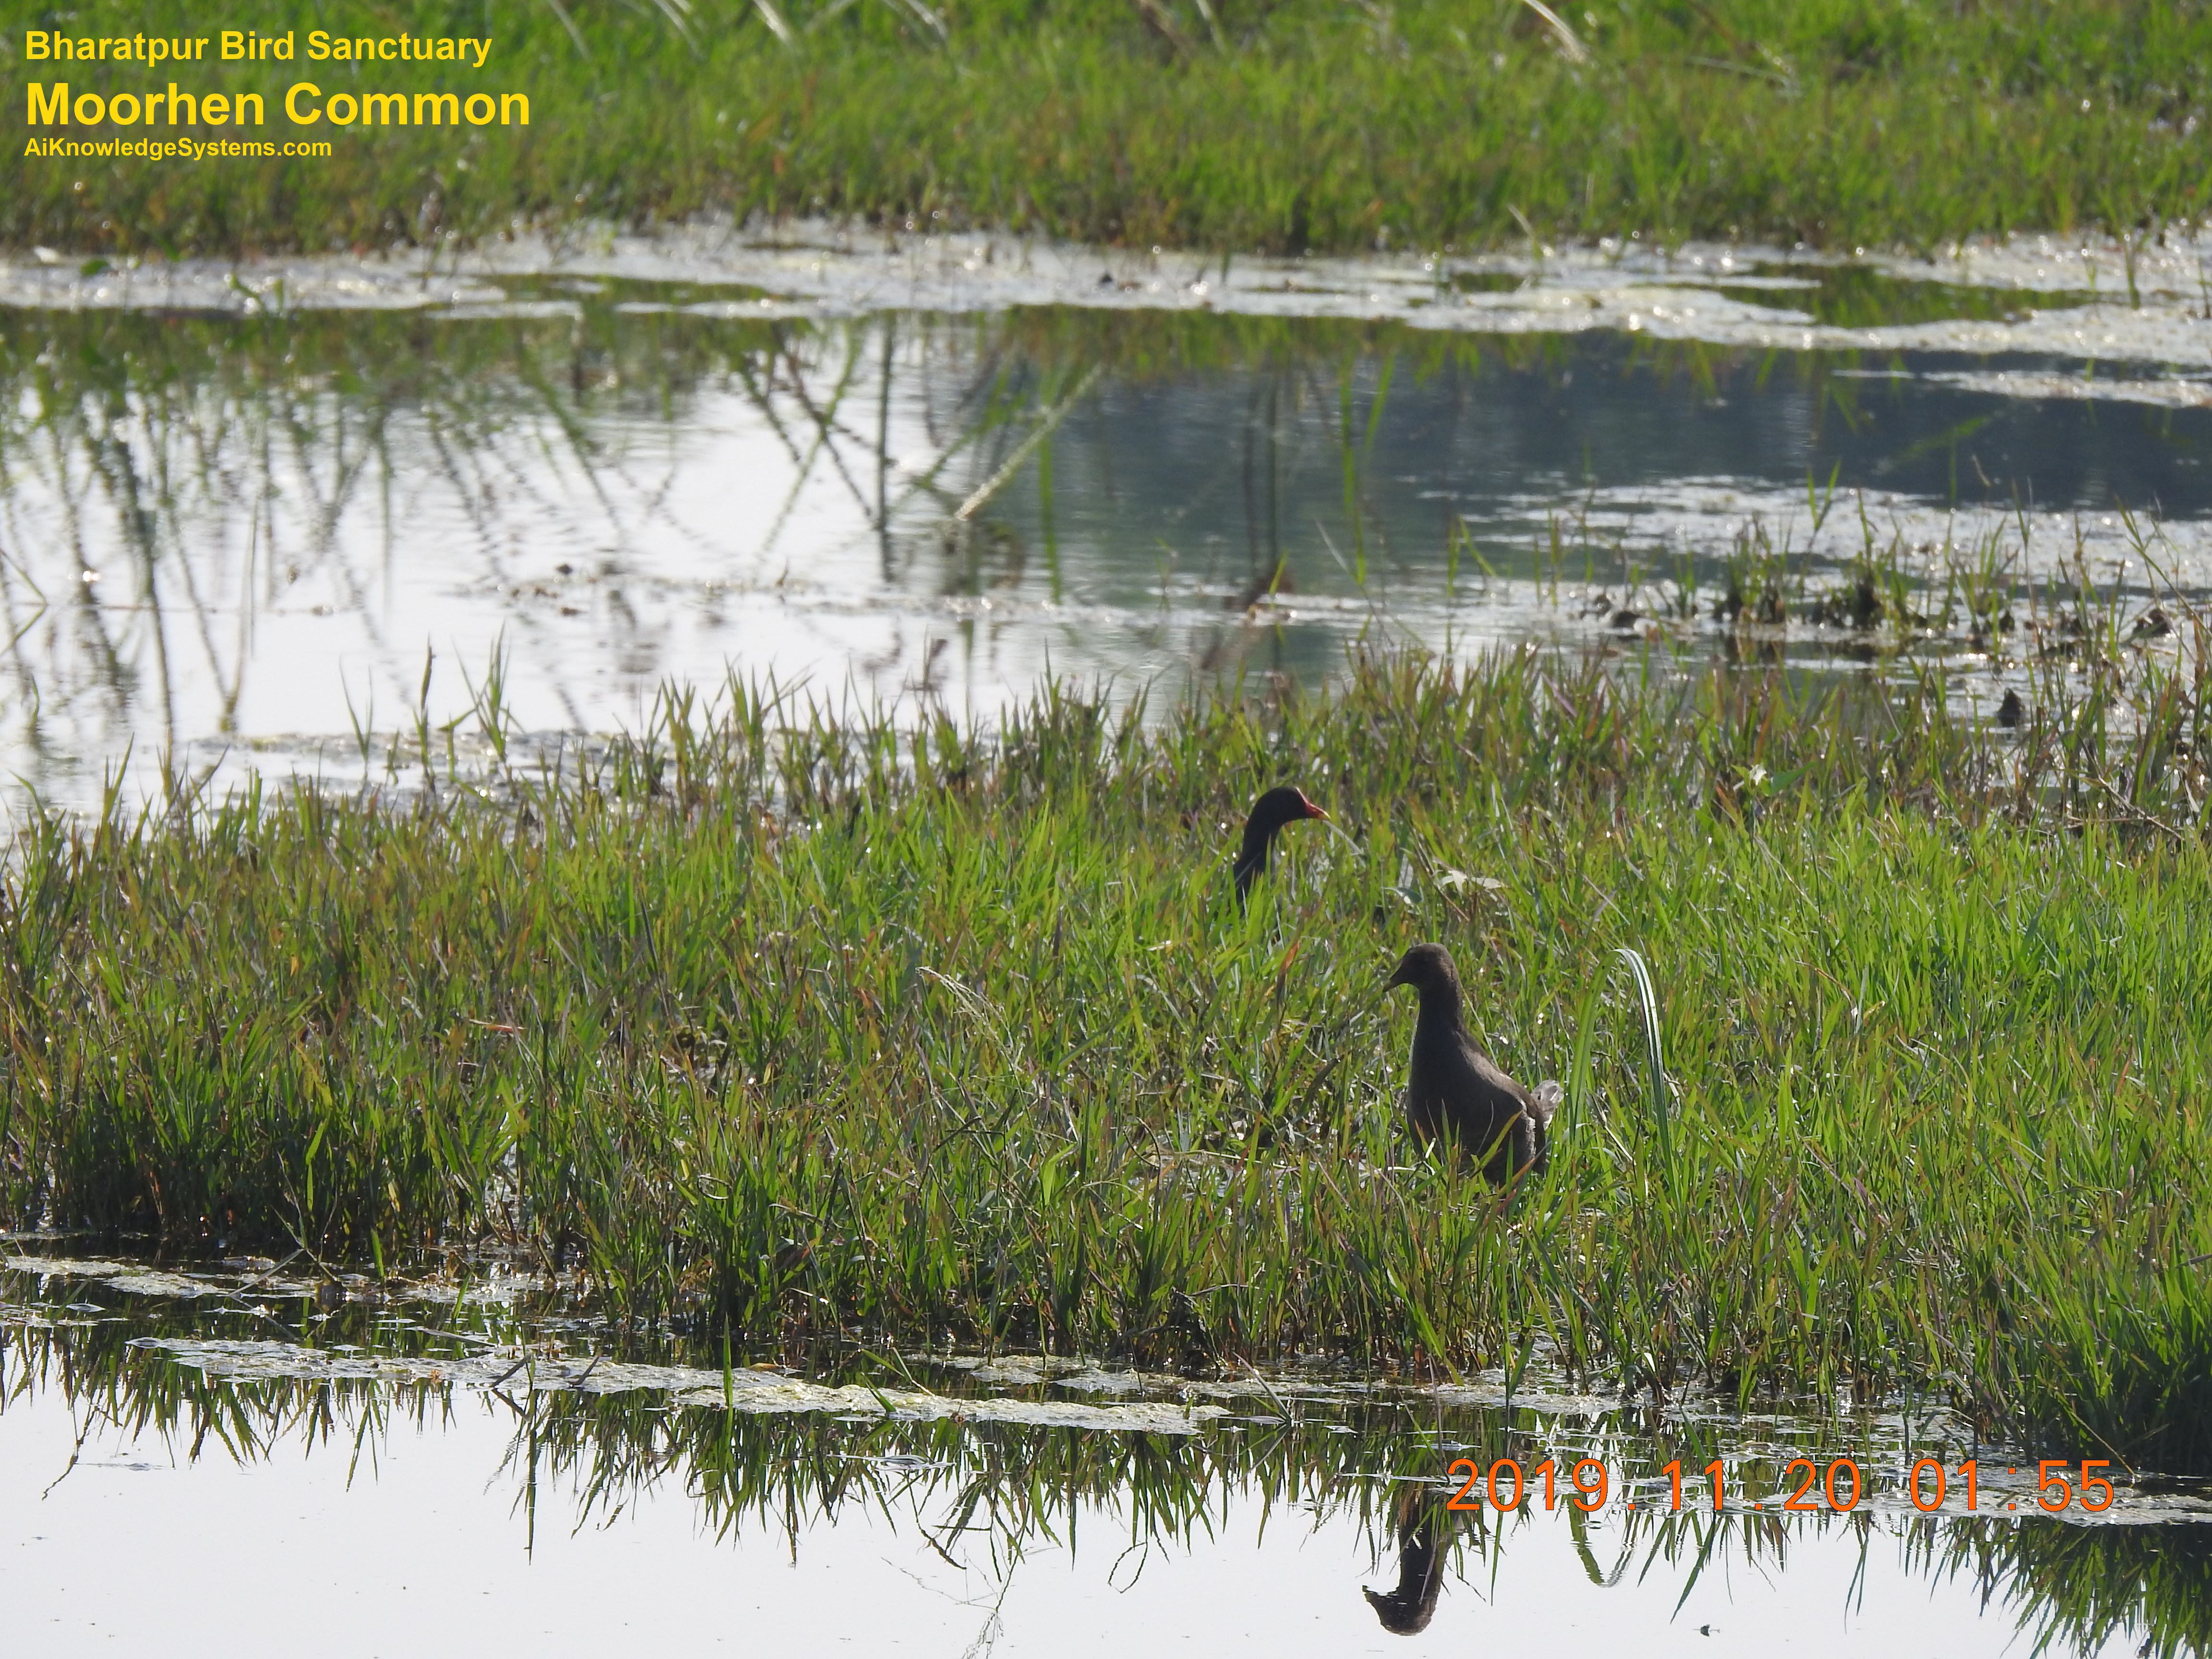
<point>1422,1532</point>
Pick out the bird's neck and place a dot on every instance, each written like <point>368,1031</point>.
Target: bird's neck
<point>1440,1008</point>
<point>1254,853</point>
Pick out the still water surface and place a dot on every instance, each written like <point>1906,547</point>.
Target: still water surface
<point>265,518</point>
<point>220,1471</point>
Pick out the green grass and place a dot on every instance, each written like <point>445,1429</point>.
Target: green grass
<point>1284,126</point>
<point>788,1020</point>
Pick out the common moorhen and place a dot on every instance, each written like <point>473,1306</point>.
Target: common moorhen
<point>1455,1095</point>
<point>1284,804</point>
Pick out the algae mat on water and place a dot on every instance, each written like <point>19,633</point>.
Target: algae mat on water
<point>1240,124</point>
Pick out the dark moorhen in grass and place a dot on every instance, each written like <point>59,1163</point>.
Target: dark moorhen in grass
<point>1284,804</point>
<point>1455,1095</point>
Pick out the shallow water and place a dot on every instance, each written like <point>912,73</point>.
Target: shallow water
<point>437,1550</point>
<point>272,516</point>
<point>454,1465</point>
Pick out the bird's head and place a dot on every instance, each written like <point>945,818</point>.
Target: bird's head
<point>1401,1614</point>
<point>1427,968</point>
<point>1284,804</point>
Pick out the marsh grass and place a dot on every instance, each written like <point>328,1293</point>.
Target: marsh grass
<point>1245,125</point>
<point>780,1015</point>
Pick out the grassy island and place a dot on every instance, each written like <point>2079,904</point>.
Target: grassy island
<point>778,1019</point>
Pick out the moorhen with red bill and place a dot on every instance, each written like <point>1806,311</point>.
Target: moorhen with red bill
<point>1455,1095</point>
<point>1284,804</point>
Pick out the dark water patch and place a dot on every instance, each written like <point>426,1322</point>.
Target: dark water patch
<point>1859,296</point>
<point>1488,281</point>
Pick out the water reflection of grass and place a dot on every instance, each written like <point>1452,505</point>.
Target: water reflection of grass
<point>215,453</point>
<point>1848,296</point>
<point>2080,1590</point>
<point>199,469</point>
<point>167,481</point>
<point>989,1494</point>
<point>791,1018</point>
<point>1206,125</point>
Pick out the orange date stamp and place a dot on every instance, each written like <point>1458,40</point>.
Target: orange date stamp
<point>1835,1488</point>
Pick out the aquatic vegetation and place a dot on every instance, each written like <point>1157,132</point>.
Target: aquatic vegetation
<point>1235,125</point>
<point>777,1015</point>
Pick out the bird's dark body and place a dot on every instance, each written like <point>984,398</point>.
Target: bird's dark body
<point>1286,803</point>
<point>1457,1100</point>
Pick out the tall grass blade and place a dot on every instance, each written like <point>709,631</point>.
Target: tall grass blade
<point>1647,998</point>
